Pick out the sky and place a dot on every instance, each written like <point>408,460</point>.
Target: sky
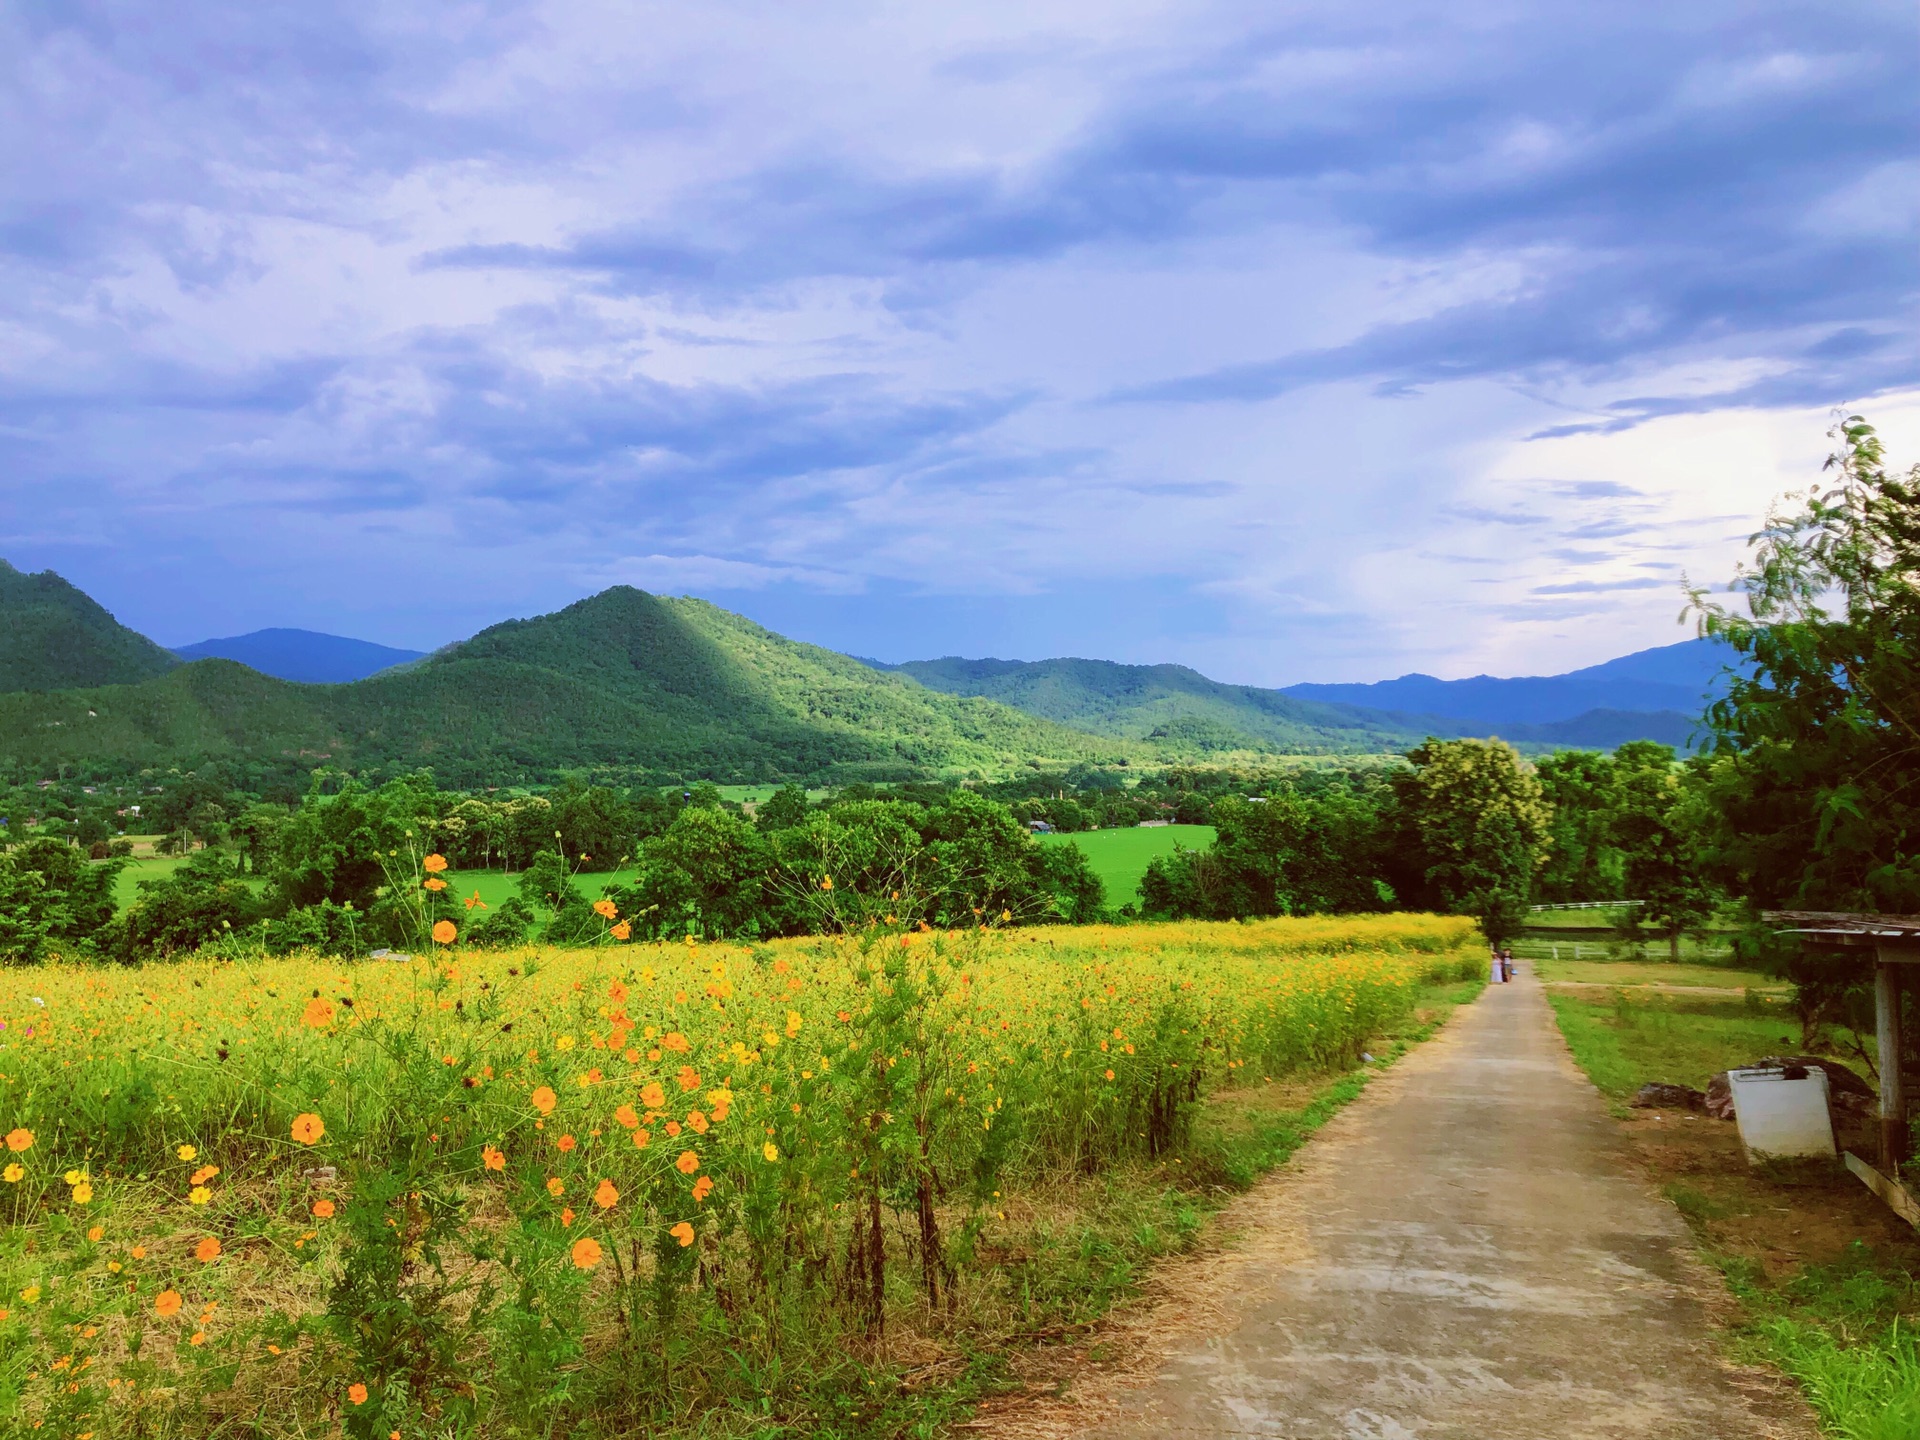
<point>1289,341</point>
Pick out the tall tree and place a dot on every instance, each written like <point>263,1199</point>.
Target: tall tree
<point>1481,827</point>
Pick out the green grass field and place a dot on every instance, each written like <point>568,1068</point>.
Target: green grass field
<point>1120,857</point>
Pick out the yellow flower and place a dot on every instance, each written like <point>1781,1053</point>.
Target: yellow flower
<point>31,1294</point>
<point>199,1195</point>
<point>14,1173</point>
<point>82,1193</point>
<point>187,1152</point>
<point>770,1152</point>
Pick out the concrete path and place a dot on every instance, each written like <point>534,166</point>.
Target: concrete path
<point>1464,1254</point>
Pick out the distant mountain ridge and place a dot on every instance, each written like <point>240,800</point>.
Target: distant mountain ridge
<point>1677,678</point>
<point>305,656</point>
<point>1654,694</point>
<point>56,637</point>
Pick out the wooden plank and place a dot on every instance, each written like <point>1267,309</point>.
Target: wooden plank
<point>1899,1199</point>
<point>1893,1100</point>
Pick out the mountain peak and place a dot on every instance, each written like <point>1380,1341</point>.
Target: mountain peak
<point>54,636</point>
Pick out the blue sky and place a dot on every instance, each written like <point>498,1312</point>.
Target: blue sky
<point>1310,341</point>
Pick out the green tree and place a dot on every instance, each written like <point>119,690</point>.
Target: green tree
<point>53,900</point>
<point>782,810</point>
<point>1584,861</point>
<point>1653,822</point>
<point>201,901</point>
<point>1480,825</point>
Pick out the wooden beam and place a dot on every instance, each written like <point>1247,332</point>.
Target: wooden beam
<point>1893,1100</point>
<point>1899,1199</point>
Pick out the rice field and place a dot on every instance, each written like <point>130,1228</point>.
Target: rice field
<point>605,1189</point>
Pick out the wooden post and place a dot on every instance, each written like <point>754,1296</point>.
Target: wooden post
<point>1893,1100</point>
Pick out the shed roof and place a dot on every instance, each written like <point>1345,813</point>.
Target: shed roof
<point>1847,927</point>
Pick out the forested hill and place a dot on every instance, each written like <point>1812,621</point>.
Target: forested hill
<point>1166,703</point>
<point>625,680</point>
<point>53,637</point>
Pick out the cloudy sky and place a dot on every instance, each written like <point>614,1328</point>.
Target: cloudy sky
<point>1292,341</point>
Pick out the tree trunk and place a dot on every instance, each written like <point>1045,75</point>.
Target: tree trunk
<point>1673,946</point>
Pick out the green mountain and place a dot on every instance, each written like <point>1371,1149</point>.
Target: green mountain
<point>1169,706</point>
<point>624,681</point>
<point>54,637</point>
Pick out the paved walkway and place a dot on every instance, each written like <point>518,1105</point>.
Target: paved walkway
<point>1464,1254</point>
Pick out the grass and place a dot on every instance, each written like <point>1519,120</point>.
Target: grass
<point>1646,972</point>
<point>1120,857</point>
<point>1628,1040</point>
<point>1825,1277</point>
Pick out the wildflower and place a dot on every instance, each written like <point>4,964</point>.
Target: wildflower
<point>474,902</point>
<point>14,1173</point>
<point>566,1215</point>
<point>167,1304</point>
<point>673,1127</point>
<point>74,1177</point>
<point>568,1144</point>
<point>641,1139</point>
<point>605,908</point>
<point>82,1193</point>
<point>1109,1074</point>
<point>323,1209</point>
<point>621,931</point>
<point>826,883</point>
<point>187,1152</point>
<point>493,1159</point>
<point>19,1139</point>
<point>689,1078</point>
<point>687,1163</point>
<point>652,1096</point>
<point>357,1392</point>
<point>556,1187</point>
<point>318,1014</point>
<point>702,1188</point>
<point>697,1122</point>
<point>96,1233</point>
<point>308,1128</point>
<point>199,1195</point>
<point>676,1042</point>
<point>207,1251</point>
<point>434,882</point>
<point>586,1253</point>
<point>444,931</point>
<point>794,1022</point>
<point>139,1252</point>
<point>31,1294</point>
<point>544,1100</point>
<point>434,864</point>
<point>770,1152</point>
<point>626,1116</point>
<point>203,1174</point>
<point>605,1196</point>
<point>683,1232</point>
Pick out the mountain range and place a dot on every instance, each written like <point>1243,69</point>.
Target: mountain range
<point>668,688</point>
<point>303,655</point>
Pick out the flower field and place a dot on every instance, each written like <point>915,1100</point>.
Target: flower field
<point>578,1192</point>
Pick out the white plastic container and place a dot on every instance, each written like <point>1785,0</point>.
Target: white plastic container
<point>1781,1118</point>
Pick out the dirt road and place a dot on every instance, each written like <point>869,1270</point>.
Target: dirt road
<point>1464,1254</point>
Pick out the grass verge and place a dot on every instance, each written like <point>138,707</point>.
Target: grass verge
<point>1824,1275</point>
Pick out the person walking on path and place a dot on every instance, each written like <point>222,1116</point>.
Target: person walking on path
<point>1467,1252</point>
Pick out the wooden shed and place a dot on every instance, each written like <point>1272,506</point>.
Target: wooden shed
<point>1894,941</point>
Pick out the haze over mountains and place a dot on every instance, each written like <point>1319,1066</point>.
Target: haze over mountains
<point>667,687</point>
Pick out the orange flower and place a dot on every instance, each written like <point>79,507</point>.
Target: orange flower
<point>203,1174</point>
<point>683,1232</point>
<point>567,1144</point>
<point>323,1210</point>
<point>556,1187</point>
<point>544,1100</point>
<point>586,1253</point>
<point>434,882</point>
<point>605,908</point>
<point>434,864</point>
<point>616,992</point>
<point>688,1077</point>
<point>443,932</point>
<point>673,1127</point>
<point>676,1042</point>
<point>626,1116</point>
<point>207,1250</point>
<point>641,1138</point>
<point>493,1159</point>
<point>687,1163</point>
<point>167,1304</point>
<point>357,1392</point>
<point>697,1122</point>
<point>702,1188</point>
<point>318,1014</point>
<point>96,1233</point>
<point>605,1196</point>
<point>1109,1074</point>
<point>621,931</point>
<point>19,1139</point>
<point>652,1096</point>
<point>474,902</point>
<point>308,1128</point>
